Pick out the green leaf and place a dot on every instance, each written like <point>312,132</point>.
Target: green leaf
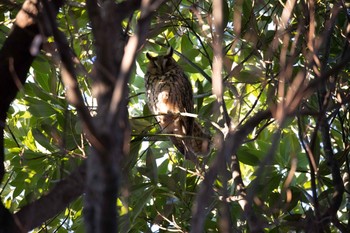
<point>249,156</point>
<point>141,202</point>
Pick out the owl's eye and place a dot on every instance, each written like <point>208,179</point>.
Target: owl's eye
<point>166,63</point>
<point>158,64</point>
<point>161,63</point>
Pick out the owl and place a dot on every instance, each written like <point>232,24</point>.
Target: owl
<point>169,93</point>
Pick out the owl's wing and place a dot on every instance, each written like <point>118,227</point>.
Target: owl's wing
<point>187,103</point>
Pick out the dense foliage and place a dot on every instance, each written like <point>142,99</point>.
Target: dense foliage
<point>288,58</point>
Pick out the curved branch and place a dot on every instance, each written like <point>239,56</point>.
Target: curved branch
<point>228,152</point>
<point>15,61</point>
<point>65,191</point>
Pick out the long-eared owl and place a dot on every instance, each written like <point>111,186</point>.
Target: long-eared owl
<point>169,93</point>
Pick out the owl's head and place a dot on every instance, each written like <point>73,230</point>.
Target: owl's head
<point>161,64</point>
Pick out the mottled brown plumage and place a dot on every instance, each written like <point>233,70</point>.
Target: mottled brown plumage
<point>169,92</point>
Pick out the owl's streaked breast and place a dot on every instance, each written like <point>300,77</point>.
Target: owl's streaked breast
<point>166,92</point>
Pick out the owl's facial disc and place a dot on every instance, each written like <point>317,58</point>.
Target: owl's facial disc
<point>161,63</point>
<point>165,63</point>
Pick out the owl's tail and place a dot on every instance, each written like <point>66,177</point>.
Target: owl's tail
<point>200,143</point>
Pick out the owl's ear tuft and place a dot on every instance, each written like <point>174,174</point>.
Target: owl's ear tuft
<point>169,52</point>
<point>149,56</point>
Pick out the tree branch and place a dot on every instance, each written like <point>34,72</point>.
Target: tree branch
<point>15,61</point>
<point>234,140</point>
<point>49,205</point>
<point>112,70</point>
<point>69,76</point>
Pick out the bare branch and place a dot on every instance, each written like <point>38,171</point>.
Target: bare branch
<point>233,141</point>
